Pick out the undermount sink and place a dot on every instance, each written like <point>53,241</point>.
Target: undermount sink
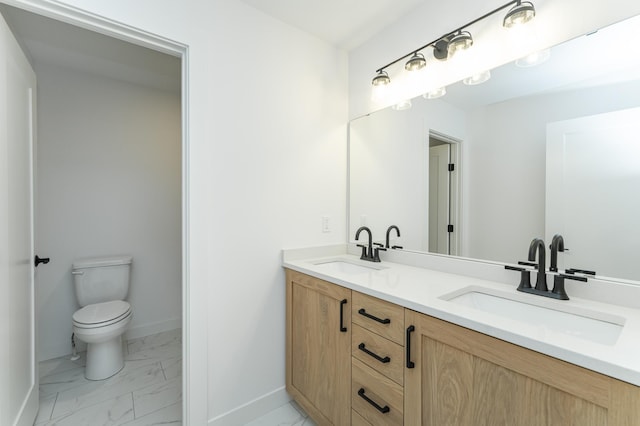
<point>582,323</point>
<point>346,267</point>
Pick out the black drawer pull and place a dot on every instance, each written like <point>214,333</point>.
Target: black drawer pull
<point>410,364</point>
<point>362,312</point>
<point>384,360</point>
<point>383,410</point>
<point>343,329</point>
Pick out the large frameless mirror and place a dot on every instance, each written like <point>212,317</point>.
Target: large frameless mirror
<point>535,151</point>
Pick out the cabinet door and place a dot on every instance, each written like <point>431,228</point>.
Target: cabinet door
<point>461,377</point>
<point>319,348</point>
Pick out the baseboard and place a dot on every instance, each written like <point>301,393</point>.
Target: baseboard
<point>252,409</point>
<point>153,328</point>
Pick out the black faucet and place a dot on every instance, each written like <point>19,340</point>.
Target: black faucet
<point>558,291</point>
<point>538,245</point>
<point>557,245</point>
<point>366,254</point>
<point>389,232</point>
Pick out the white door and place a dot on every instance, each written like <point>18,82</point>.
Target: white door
<point>593,182</point>
<point>439,199</point>
<point>18,368</point>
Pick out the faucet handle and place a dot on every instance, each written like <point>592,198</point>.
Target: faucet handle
<point>525,276</point>
<point>522,262</point>
<point>558,285</point>
<point>364,255</point>
<point>376,253</point>
<point>580,271</point>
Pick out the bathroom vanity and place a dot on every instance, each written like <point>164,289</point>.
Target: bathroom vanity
<point>392,344</point>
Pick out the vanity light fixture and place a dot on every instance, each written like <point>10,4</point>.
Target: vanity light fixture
<point>401,106</point>
<point>416,63</point>
<point>435,93</point>
<point>381,79</point>
<point>521,13</point>
<point>533,59</point>
<point>478,78</point>
<point>457,40</point>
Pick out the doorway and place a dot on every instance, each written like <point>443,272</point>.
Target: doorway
<point>444,203</point>
<point>136,40</point>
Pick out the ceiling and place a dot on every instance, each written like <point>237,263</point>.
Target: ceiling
<point>343,23</point>
<point>50,42</point>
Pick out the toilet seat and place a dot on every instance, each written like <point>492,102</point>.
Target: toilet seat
<point>102,314</point>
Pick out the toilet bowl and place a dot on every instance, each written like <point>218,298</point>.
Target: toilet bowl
<point>101,326</point>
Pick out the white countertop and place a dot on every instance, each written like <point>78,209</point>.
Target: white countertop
<point>422,290</point>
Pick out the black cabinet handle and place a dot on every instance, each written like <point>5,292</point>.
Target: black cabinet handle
<point>384,360</point>
<point>410,329</point>
<point>38,260</point>
<point>343,329</point>
<point>383,410</point>
<point>362,312</point>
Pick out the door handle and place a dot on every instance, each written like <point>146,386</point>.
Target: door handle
<point>38,260</point>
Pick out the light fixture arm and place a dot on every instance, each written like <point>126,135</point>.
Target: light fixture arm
<point>449,34</point>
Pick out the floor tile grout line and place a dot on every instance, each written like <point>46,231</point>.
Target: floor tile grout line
<point>133,406</point>
<point>53,407</point>
<point>156,410</point>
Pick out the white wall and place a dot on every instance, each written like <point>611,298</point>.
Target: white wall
<point>267,131</point>
<point>108,183</point>
<point>556,21</point>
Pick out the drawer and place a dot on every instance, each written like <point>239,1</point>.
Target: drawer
<point>357,420</point>
<point>382,355</point>
<point>383,318</point>
<point>378,399</point>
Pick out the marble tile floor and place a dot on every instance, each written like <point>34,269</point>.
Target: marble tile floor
<point>148,390</point>
<point>288,415</point>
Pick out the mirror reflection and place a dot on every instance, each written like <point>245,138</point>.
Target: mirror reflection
<point>535,151</point>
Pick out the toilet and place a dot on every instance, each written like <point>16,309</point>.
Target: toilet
<point>101,286</point>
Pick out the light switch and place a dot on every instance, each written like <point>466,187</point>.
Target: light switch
<point>325,224</point>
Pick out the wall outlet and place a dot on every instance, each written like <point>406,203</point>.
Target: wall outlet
<point>325,224</point>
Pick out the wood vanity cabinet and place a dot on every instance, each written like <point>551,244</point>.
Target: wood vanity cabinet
<point>348,358</point>
<point>318,361</point>
<point>465,378</point>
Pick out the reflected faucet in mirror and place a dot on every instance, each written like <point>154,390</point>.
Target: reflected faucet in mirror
<point>557,245</point>
<point>392,227</point>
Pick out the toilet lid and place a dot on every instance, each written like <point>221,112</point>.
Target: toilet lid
<point>101,314</point>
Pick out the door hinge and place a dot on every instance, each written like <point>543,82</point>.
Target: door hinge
<point>449,228</point>
<point>451,167</point>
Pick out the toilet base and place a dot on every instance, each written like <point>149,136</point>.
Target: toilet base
<point>104,359</point>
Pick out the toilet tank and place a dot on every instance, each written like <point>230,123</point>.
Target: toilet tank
<point>101,279</point>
